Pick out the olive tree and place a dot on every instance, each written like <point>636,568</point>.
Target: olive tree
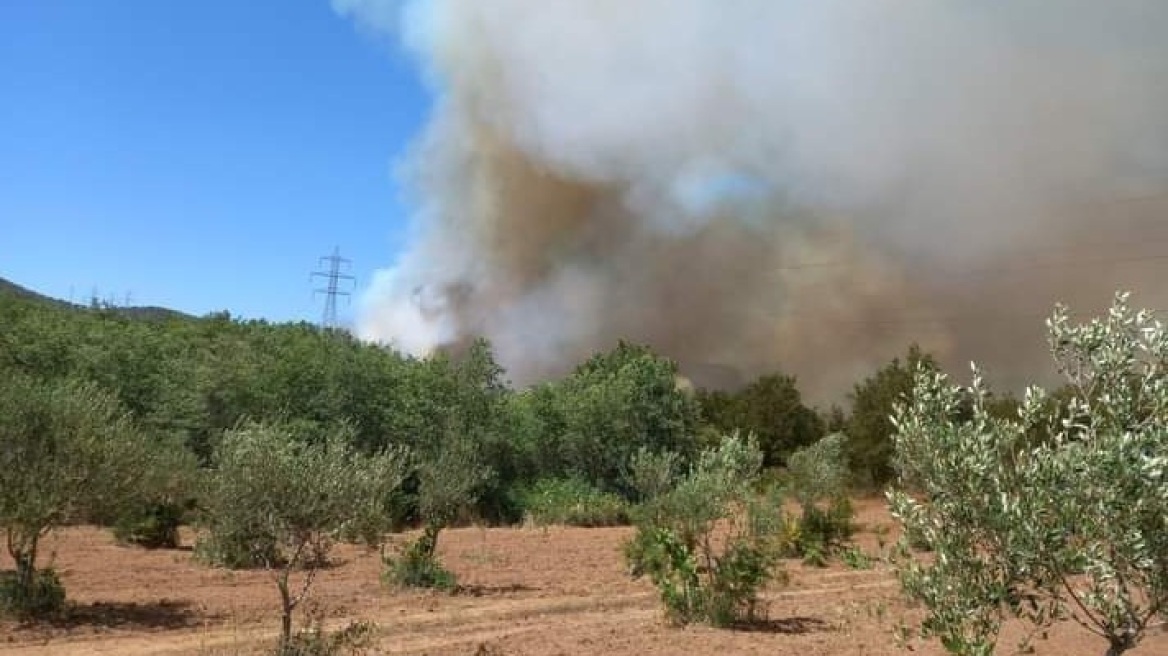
<point>67,450</point>
<point>296,496</point>
<point>449,482</point>
<point>706,540</point>
<point>1073,526</point>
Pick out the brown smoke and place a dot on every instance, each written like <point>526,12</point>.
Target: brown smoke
<point>751,185</point>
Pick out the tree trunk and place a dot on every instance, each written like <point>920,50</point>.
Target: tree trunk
<point>286,605</point>
<point>430,540</point>
<point>23,550</point>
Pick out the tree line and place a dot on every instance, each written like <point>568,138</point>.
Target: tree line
<point>187,380</point>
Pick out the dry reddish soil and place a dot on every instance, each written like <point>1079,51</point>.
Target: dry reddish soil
<point>527,591</point>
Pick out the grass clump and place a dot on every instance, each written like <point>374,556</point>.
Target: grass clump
<point>355,639</point>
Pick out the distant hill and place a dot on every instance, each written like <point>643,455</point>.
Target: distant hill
<point>12,289</point>
<point>144,313</point>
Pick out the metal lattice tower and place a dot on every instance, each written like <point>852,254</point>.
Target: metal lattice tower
<point>333,277</point>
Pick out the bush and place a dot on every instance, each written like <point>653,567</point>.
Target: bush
<point>154,526</point>
<point>733,596</point>
<point>370,531</point>
<point>572,502</point>
<point>817,477</point>
<point>672,566</point>
<point>819,472</point>
<point>591,422</point>
<point>701,579</point>
<point>501,502</point>
<point>42,595</point>
<point>417,567</point>
<point>825,529</point>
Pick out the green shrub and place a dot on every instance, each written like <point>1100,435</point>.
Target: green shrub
<point>370,529</point>
<point>596,418</point>
<point>673,568</point>
<point>819,472</point>
<point>153,526</point>
<point>417,566</point>
<point>701,579</point>
<point>818,477</point>
<point>501,503</point>
<point>733,596</point>
<point>368,534</point>
<point>572,502</point>
<point>42,595</point>
<point>869,427</point>
<point>827,528</point>
<point>814,554</point>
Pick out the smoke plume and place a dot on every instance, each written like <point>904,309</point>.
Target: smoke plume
<point>752,185</point>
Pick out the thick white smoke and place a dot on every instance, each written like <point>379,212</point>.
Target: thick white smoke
<point>751,184</point>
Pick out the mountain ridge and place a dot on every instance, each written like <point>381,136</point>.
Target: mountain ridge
<point>141,312</point>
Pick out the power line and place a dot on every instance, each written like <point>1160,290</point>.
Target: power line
<point>333,278</point>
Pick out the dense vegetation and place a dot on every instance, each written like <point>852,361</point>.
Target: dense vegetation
<point>278,440</point>
<point>189,380</point>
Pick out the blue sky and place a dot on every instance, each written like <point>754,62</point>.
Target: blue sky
<point>198,155</point>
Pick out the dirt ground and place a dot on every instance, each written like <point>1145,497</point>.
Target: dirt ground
<point>526,591</point>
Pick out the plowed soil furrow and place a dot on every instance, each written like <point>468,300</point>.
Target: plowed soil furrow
<point>404,632</point>
<point>543,592</point>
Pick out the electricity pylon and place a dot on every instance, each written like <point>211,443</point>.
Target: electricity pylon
<point>333,277</point>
